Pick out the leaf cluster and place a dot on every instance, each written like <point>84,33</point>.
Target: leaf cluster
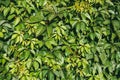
<point>59,40</point>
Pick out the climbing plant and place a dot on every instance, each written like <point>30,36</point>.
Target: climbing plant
<point>59,40</point>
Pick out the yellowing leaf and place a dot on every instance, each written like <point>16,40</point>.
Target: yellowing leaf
<point>17,39</point>
<point>14,36</point>
<point>1,35</point>
<point>21,39</point>
<point>32,46</point>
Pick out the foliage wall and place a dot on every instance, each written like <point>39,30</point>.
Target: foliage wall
<point>59,40</point>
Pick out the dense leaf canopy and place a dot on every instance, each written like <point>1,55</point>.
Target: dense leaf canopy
<point>59,40</point>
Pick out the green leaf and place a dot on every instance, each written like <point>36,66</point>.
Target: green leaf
<point>57,73</point>
<point>84,62</point>
<point>103,57</point>
<point>12,10</point>
<point>63,32</point>
<point>32,45</point>
<point>72,40</point>
<point>9,76</point>
<point>22,78</point>
<point>106,22</point>
<point>116,24</point>
<point>40,30</point>
<point>3,61</point>
<point>96,59</point>
<point>107,46</point>
<point>1,35</point>
<point>92,36</point>
<point>39,60</point>
<point>17,39</point>
<point>51,16</point>
<point>36,65</point>
<point>36,18</point>
<point>7,25</point>
<point>78,27</point>
<point>6,11</point>
<point>21,39</point>
<point>98,35</point>
<point>99,68</point>
<point>40,44</point>
<point>26,54</point>
<point>62,74</point>
<point>48,45</point>
<point>1,45</point>
<point>64,27</point>
<point>87,15</point>
<point>82,26</point>
<point>42,3</point>
<point>96,77</point>
<point>51,75</point>
<point>14,36</point>
<point>10,17</point>
<point>16,21</point>
<point>40,76</point>
<point>58,55</point>
<point>44,72</point>
<point>5,2</point>
<point>28,63</point>
<point>20,27</point>
<point>110,2</point>
<point>53,42</point>
<point>49,30</point>
<point>50,40</point>
<point>82,49</point>
<point>2,22</point>
<point>89,56</point>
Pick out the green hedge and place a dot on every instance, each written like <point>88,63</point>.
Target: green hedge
<point>59,40</point>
